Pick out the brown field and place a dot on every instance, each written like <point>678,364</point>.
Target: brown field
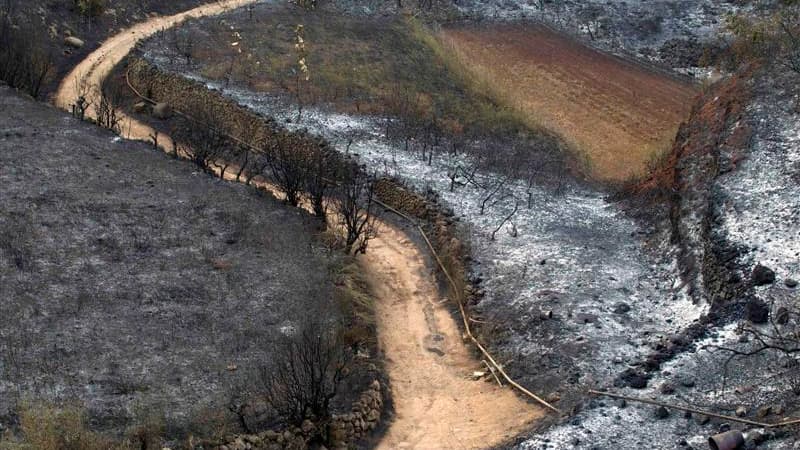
<point>619,116</point>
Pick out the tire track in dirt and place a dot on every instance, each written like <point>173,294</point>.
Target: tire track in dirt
<point>437,405</point>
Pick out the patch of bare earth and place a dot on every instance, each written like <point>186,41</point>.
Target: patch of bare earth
<point>437,405</point>
<point>619,116</point>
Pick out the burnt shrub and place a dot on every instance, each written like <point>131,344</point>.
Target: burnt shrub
<point>25,62</point>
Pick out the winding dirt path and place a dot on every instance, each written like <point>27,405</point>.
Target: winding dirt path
<point>437,404</point>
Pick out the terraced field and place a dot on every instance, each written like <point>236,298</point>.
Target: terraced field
<point>617,115</point>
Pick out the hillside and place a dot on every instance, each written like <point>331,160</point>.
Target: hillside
<point>135,285</point>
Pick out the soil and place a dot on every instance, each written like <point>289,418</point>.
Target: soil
<point>436,405</point>
<point>618,116</point>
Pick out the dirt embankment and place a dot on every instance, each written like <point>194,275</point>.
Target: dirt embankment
<point>618,116</point>
<point>715,137</point>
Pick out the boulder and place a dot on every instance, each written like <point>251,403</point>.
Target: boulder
<point>757,311</point>
<point>661,413</point>
<point>762,275</point>
<point>790,283</point>
<point>162,111</point>
<point>72,41</point>
<point>621,308</point>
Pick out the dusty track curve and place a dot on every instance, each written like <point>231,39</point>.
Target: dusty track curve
<point>437,405</point>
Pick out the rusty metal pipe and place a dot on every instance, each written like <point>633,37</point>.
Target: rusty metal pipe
<point>729,440</point>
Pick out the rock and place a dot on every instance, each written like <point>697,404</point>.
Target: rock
<point>140,107</point>
<point>373,415</point>
<point>741,411</point>
<point>634,379</point>
<point>687,381</point>
<point>307,427</point>
<point>375,386</point>
<point>72,41</point>
<point>553,397</point>
<point>661,413</point>
<point>621,403</point>
<point>621,308</point>
<point>764,411</point>
<point>162,111</point>
<point>790,283</point>
<point>702,419</point>
<point>667,388</point>
<point>585,318</point>
<point>763,275</point>
<point>757,311</point>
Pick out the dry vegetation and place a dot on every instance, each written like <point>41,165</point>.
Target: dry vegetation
<point>616,115</point>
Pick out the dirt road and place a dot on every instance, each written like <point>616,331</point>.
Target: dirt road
<point>99,63</point>
<point>618,115</point>
<point>437,405</point>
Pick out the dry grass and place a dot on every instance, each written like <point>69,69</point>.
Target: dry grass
<point>357,65</point>
<point>47,427</point>
<point>619,116</point>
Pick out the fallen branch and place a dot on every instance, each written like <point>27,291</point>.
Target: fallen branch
<point>695,410</point>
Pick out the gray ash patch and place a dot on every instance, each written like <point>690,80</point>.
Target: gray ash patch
<point>129,281</point>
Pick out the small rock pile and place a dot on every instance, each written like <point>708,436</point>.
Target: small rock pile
<point>363,417</point>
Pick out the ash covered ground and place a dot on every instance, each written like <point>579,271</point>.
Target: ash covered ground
<point>613,283</point>
<point>130,282</point>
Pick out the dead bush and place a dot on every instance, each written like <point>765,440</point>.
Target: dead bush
<point>309,367</point>
<point>25,63</point>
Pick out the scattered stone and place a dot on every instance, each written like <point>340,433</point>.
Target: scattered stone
<point>790,283</point>
<point>763,275</point>
<point>661,413</point>
<point>585,318</point>
<point>72,41</point>
<point>553,397</point>
<point>307,427</point>
<point>634,379</point>
<point>757,311</point>
<point>621,308</point>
